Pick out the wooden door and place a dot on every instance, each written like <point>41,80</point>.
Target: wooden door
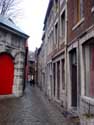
<point>6,74</point>
<point>74,78</point>
<point>74,85</point>
<point>58,80</point>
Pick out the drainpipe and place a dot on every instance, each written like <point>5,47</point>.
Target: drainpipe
<point>66,39</point>
<point>25,65</point>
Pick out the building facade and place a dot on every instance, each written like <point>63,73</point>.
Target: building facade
<point>51,56</point>
<point>66,54</point>
<point>12,58</point>
<point>80,53</point>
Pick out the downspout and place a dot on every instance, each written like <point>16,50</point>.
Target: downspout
<point>66,39</point>
<point>25,65</point>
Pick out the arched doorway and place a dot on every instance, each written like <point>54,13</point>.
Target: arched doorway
<point>6,74</point>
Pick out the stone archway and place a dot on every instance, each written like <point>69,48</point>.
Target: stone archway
<point>6,74</point>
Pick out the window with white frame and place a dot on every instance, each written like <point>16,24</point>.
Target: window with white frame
<point>61,1</point>
<point>52,39</point>
<point>63,74</point>
<point>92,6</point>
<point>56,33</point>
<point>63,25</point>
<point>56,5</point>
<point>54,78</point>
<point>93,3</point>
<point>80,9</point>
<point>48,44</point>
<point>89,69</point>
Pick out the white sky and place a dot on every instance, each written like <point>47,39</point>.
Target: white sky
<point>32,21</point>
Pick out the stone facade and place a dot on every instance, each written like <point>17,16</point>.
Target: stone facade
<point>13,43</point>
<point>67,50</point>
<point>51,55</point>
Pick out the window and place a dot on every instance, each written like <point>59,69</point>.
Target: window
<point>56,4</point>
<point>52,39</point>
<point>56,32</point>
<point>63,74</point>
<point>79,10</point>
<point>89,70</point>
<point>92,10</point>
<point>61,1</point>
<point>58,80</point>
<point>48,45</point>
<point>54,76</point>
<point>56,1</point>
<point>93,3</point>
<point>63,25</point>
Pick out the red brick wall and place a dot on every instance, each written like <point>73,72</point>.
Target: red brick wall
<point>72,13</point>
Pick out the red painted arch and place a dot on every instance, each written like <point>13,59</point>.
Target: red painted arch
<point>6,74</point>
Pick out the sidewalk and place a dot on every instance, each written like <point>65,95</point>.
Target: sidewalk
<point>54,112</point>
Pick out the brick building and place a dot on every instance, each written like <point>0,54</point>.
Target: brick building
<point>12,58</point>
<point>80,46</point>
<point>67,53</point>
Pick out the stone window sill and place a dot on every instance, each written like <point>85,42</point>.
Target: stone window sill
<point>88,100</point>
<point>78,24</point>
<point>92,10</point>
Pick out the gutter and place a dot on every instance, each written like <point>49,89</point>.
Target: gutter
<point>66,39</point>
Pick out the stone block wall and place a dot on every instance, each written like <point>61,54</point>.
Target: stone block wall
<point>14,45</point>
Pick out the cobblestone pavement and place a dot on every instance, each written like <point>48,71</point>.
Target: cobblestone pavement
<point>31,109</point>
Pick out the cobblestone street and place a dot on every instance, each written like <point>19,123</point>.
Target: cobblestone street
<point>31,109</point>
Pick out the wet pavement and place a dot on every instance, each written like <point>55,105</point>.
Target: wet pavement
<point>31,109</point>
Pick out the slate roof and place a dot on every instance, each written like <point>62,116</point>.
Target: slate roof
<point>48,11</point>
<point>9,25</point>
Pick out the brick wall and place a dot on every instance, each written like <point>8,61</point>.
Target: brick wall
<point>86,23</point>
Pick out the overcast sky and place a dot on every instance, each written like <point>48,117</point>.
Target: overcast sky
<point>33,19</point>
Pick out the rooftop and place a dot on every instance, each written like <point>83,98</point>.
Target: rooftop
<point>9,25</point>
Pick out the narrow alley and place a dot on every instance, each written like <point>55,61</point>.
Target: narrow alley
<point>30,109</point>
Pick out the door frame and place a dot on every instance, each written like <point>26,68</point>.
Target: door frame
<point>74,95</point>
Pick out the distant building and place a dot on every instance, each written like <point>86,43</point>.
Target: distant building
<point>12,58</point>
<point>31,66</point>
<point>36,65</point>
